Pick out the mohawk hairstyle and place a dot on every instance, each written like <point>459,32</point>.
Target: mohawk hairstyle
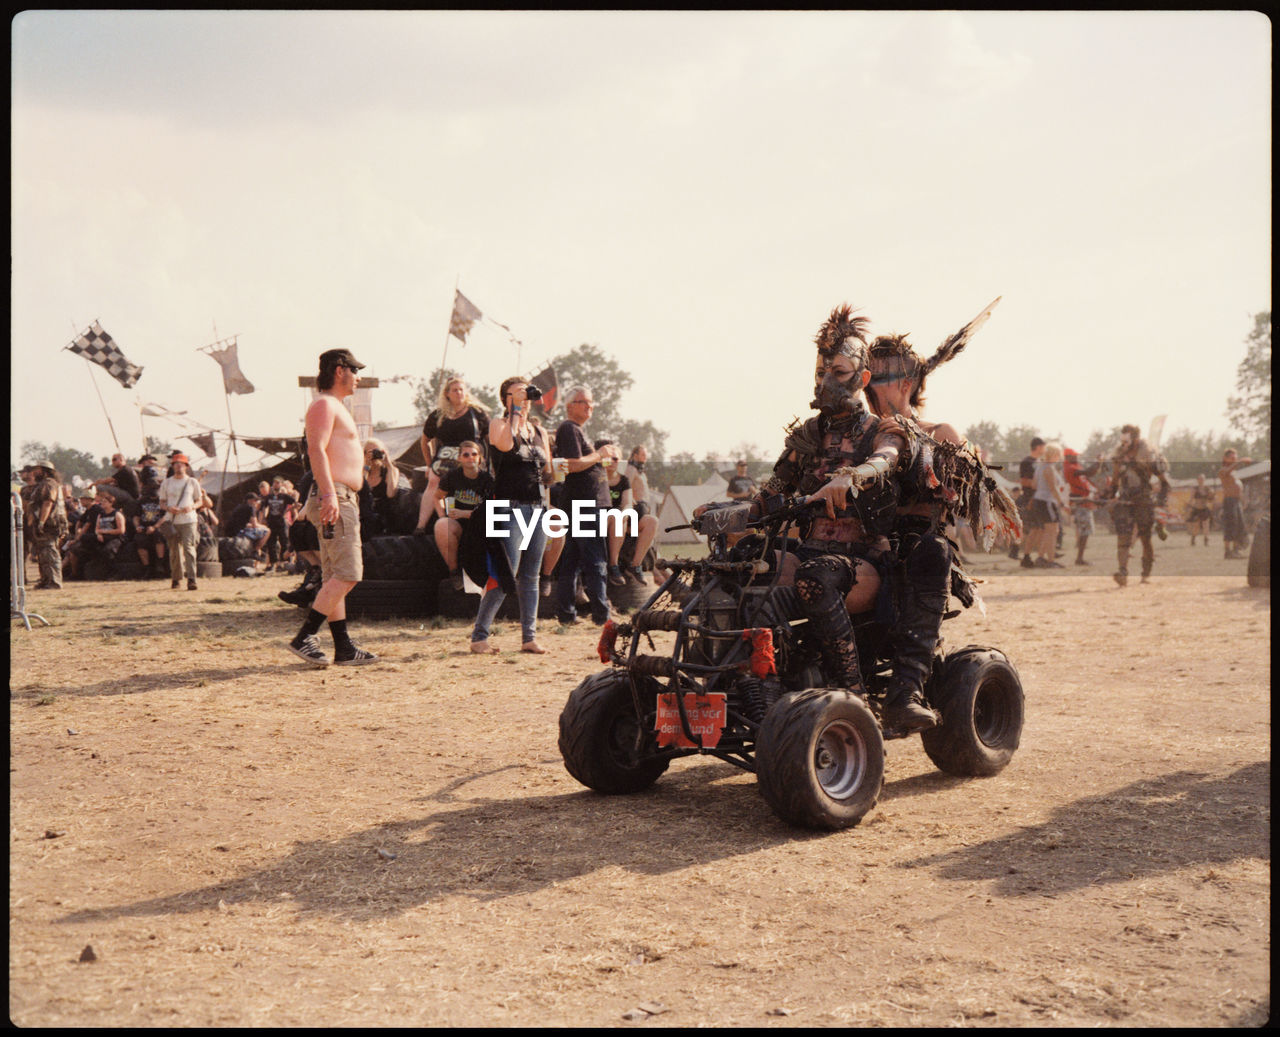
<point>834,335</point>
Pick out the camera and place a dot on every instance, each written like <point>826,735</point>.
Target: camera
<point>532,393</point>
<point>378,455</point>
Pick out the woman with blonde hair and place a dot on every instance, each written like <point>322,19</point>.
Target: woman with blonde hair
<point>458,417</point>
<point>1049,504</point>
<point>383,479</point>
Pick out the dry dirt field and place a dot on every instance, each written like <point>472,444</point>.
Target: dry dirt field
<point>243,841</point>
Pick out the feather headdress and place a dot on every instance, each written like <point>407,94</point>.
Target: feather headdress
<point>959,340</point>
<point>843,334</point>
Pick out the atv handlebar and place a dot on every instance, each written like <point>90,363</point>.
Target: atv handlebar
<point>797,507</point>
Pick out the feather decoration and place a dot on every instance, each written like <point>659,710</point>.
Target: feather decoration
<point>960,339</point>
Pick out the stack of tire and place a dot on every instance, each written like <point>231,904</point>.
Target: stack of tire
<point>209,559</point>
<point>402,577</point>
<point>232,553</point>
<point>631,595</point>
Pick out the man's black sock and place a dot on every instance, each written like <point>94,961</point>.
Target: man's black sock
<point>314,621</point>
<point>341,640</point>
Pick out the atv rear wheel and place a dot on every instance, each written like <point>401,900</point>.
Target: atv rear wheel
<point>603,742</point>
<point>979,695</point>
<point>820,758</point>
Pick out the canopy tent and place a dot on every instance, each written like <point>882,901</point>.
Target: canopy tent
<point>402,444</point>
<point>678,504</point>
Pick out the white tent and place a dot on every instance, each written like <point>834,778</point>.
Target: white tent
<point>678,504</point>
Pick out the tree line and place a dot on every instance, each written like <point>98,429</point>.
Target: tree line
<point>1248,411</point>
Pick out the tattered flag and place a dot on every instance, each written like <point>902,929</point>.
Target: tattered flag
<point>233,379</point>
<point>204,440</point>
<point>465,314</point>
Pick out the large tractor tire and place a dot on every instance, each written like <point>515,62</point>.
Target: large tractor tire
<point>979,696</point>
<point>391,599</point>
<point>604,744</point>
<point>820,758</point>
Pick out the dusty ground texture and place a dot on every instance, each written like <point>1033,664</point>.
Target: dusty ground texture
<point>245,841</point>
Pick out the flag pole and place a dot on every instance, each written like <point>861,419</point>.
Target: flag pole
<point>112,427</point>
<point>142,425</point>
<point>76,335</point>
<point>452,303</point>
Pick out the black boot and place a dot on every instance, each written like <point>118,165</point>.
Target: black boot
<point>306,593</point>
<point>926,573</point>
<point>915,638</point>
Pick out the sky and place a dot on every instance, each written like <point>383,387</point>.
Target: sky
<point>693,193</point>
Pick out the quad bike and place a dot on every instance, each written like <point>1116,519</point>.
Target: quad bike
<point>741,683</point>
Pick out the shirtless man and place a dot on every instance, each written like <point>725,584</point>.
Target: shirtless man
<point>1234,537</point>
<point>337,465</point>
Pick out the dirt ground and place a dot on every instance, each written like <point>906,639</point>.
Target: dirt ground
<point>245,841</point>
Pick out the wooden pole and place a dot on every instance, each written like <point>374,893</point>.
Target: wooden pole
<point>104,405</point>
<point>452,303</point>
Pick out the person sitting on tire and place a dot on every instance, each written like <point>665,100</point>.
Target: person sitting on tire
<point>851,461</point>
<point>147,539</point>
<point>458,496</point>
<point>620,497</point>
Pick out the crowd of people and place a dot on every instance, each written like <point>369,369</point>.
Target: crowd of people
<point>133,512</point>
<point>1133,484</point>
<point>475,459</point>
<point>506,466</point>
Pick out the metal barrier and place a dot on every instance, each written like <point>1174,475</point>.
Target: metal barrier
<point>18,567</point>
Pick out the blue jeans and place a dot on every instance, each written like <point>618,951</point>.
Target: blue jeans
<point>588,555</point>
<point>527,567</point>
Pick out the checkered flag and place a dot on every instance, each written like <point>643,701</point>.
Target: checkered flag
<point>96,345</point>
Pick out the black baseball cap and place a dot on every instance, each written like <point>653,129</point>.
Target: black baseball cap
<point>332,358</point>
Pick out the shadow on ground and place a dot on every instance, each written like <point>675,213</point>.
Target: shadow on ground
<point>1177,821</point>
<point>497,847</point>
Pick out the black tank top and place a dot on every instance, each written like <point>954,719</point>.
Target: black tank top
<point>517,473</point>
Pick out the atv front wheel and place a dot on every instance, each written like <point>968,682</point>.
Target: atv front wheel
<point>979,695</point>
<point>603,743</point>
<point>820,758</point>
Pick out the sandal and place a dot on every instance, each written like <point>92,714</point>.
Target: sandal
<point>533,647</point>
<point>484,648</point>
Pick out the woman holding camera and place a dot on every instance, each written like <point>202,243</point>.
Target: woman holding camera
<point>383,479</point>
<point>521,468</point>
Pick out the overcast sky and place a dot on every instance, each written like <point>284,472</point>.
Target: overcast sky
<point>691,192</point>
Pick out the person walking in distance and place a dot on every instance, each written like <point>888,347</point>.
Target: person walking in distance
<point>1234,537</point>
<point>1133,465</point>
<point>337,466</point>
<point>1200,511</point>
<point>1026,492</point>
